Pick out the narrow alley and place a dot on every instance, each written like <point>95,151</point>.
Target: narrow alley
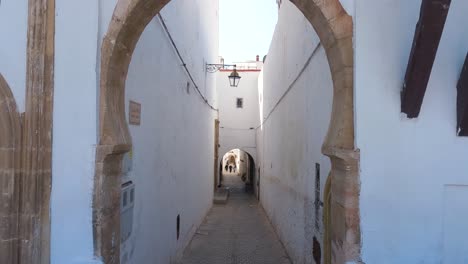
<point>233,132</point>
<point>237,232</point>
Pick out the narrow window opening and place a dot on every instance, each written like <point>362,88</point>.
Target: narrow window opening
<point>188,88</point>
<point>318,203</point>
<point>132,195</point>
<point>240,102</point>
<point>125,199</point>
<point>178,226</point>
<point>317,251</point>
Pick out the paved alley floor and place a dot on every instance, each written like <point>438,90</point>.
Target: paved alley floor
<point>236,233</point>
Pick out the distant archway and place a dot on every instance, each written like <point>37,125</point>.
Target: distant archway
<point>335,30</point>
<point>241,163</point>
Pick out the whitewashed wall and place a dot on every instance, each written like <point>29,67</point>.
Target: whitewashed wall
<point>409,212</point>
<point>237,125</point>
<point>13,29</point>
<point>173,147</point>
<point>289,142</point>
<point>74,130</point>
<point>176,128</point>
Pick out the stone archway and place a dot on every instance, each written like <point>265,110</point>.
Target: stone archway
<point>10,155</point>
<point>230,157</point>
<point>335,30</point>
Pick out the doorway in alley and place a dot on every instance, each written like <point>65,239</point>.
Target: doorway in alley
<point>237,171</point>
<point>237,230</point>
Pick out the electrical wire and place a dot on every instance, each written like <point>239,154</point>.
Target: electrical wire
<point>206,100</point>
<point>306,65</point>
<point>184,64</point>
<point>232,128</point>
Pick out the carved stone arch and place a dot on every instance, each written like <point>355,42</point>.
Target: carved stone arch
<point>335,30</point>
<point>10,141</point>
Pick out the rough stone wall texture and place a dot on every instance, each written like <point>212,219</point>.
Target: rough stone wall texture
<point>36,154</point>
<point>10,140</point>
<point>26,147</point>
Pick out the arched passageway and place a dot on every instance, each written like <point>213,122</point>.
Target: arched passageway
<point>237,170</point>
<point>237,231</point>
<point>335,30</point>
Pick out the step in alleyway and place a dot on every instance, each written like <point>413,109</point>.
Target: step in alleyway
<point>237,232</point>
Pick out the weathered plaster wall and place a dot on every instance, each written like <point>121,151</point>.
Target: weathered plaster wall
<point>13,29</point>
<point>290,139</point>
<point>236,123</point>
<point>406,165</point>
<point>74,131</point>
<point>173,146</point>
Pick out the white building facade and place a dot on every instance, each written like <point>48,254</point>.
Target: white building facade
<point>239,108</point>
<point>413,171</point>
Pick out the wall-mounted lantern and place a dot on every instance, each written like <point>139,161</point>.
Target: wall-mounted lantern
<point>234,77</point>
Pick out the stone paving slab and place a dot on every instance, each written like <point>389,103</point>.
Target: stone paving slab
<point>236,233</point>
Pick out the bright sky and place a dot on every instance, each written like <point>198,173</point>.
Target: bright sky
<point>246,28</point>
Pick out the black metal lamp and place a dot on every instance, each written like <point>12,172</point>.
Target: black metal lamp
<point>234,77</point>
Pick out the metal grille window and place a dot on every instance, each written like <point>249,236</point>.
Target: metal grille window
<point>240,102</point>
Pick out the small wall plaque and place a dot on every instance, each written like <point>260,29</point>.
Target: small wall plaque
<point>134,113</point>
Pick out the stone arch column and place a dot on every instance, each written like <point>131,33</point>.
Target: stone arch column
<point>10,145</point>
<point>335,30</point>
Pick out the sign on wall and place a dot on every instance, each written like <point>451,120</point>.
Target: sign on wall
<point>134,113</point>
